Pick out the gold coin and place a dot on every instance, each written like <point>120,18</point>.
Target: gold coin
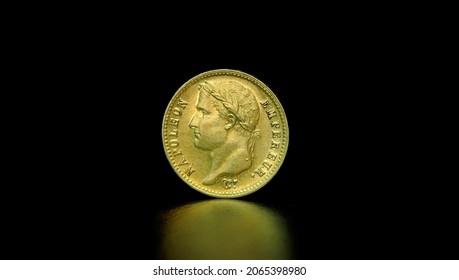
<point>225,133</point>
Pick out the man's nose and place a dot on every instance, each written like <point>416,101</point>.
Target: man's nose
<point>192,123</point>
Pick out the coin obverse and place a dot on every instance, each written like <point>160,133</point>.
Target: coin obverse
<point>225,133</point>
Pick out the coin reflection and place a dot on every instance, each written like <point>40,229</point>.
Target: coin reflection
<point>224,229</point>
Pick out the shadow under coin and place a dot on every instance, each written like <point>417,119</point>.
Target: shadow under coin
<point>224,229</point>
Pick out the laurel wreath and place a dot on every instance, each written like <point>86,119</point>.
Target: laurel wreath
<point>231,103</point>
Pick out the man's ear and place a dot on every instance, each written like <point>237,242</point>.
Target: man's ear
<point>231,121</point>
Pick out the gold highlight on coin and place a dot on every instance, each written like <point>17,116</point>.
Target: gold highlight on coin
<point>225,133</point>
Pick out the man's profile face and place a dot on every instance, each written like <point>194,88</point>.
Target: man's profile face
<point>208,126</point>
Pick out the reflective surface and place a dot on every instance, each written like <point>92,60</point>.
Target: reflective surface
<point>224,229</point>
<point>364,179</point>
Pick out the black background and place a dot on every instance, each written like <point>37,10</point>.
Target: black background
<point>88,174</point>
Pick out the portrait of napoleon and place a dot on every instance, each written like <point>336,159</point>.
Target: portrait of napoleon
<point>225,125</point>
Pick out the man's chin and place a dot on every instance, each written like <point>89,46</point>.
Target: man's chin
<point>199,145</point>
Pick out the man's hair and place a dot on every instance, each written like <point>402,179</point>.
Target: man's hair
<point>231,97</point>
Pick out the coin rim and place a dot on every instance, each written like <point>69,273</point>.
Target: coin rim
<point>283,148</point>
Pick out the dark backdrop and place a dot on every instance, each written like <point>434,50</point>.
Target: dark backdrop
<point>89,175</point>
